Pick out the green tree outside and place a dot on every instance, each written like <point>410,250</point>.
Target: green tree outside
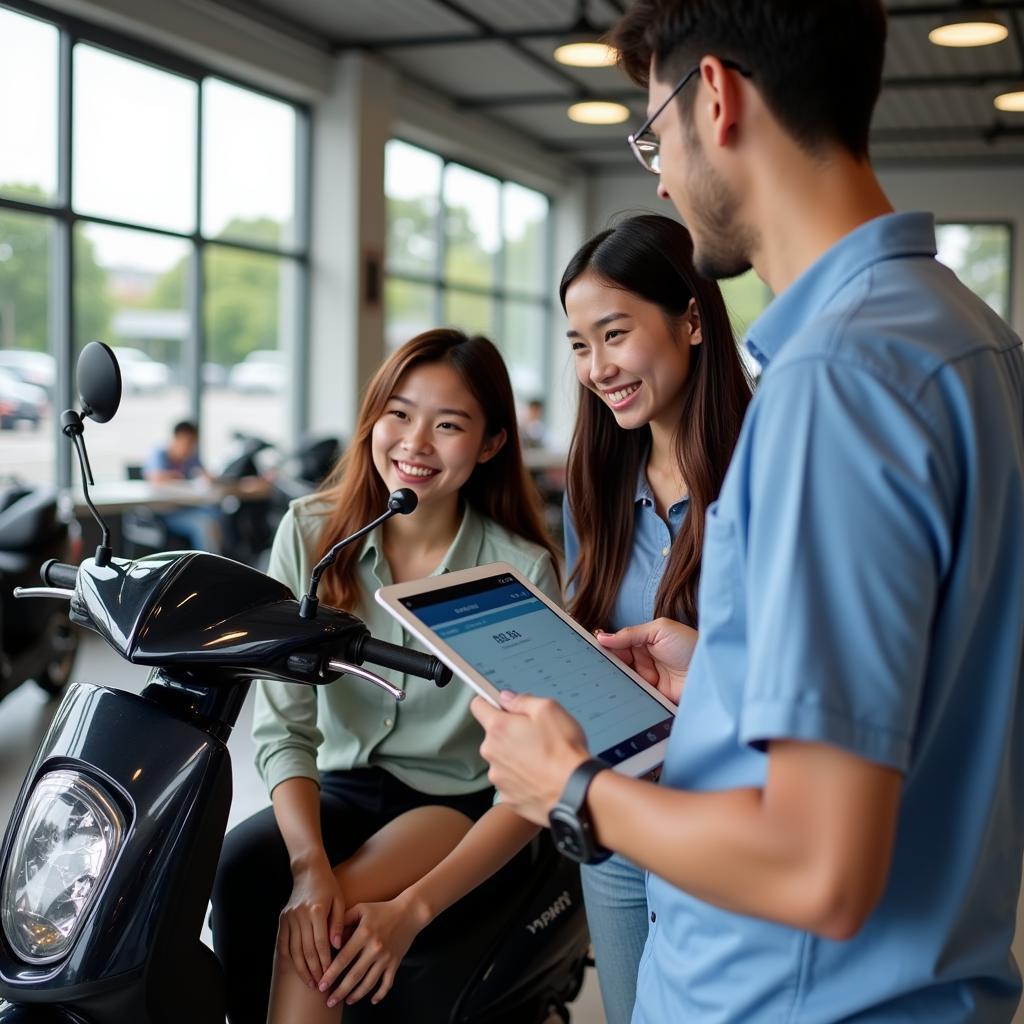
<point>25,255</point>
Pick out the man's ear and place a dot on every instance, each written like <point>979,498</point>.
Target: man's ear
<point>725,98</point>
<point>692,316</point>
<point>492,445</point>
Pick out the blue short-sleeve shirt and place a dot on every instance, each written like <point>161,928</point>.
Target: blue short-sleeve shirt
<point>160,460</point>
<point>863,586</point>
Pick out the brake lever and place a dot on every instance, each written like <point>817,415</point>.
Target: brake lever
<point>60,592</point>
<point>336,665</point>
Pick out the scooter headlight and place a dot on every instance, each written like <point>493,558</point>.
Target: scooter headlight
<point>69,835</point>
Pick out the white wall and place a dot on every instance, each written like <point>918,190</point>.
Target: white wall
<point>961,193</point>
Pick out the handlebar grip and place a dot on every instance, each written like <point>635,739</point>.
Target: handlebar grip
<point>412,663</point>
<point>59,574</point>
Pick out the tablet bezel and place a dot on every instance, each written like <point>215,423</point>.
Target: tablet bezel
<point>390,597</point>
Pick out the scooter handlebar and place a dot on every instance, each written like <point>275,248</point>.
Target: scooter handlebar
<point>59,574</point>
<point>412,663</point>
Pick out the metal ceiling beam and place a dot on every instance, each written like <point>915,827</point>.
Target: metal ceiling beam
<point>485,32</point>
<point>953,133</point>
<point>551,68</point>
<point>637,95</point>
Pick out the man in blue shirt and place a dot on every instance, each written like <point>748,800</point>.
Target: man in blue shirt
<point>198,526</point>
<point>838,833</point>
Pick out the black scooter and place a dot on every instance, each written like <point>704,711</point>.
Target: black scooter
<point>108,860</point>
<point>36,640</point>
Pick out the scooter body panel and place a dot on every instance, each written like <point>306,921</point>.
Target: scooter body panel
<point>172,782</point>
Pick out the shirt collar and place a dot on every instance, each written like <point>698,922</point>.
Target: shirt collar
<point>463,552</point>
<point>887,237</point>
<point>644,495</point>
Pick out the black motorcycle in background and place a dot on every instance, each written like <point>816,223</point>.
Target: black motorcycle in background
<point>248,526</point>
<point>108,860</point>
<point>36,639</point>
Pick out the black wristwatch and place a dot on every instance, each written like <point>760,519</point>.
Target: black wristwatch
<point>570,823</point>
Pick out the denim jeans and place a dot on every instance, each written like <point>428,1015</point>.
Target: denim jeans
<point>199,526</point>
<point>615,894</point>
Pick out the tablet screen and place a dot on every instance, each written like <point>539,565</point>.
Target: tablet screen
<point>517,643</point>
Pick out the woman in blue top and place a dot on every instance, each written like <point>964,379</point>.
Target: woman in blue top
<point>662,398</point>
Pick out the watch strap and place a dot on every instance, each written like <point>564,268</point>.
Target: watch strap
<point>574,795</point>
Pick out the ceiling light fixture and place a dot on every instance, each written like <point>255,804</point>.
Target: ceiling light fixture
<point>969,26</point>
<point>598,112</point>
<point>584,47</point>
<point>1011,101</point>
<point>586,53</point>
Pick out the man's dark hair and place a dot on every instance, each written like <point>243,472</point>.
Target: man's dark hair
<point>185,427</point>
<point>816,63</point>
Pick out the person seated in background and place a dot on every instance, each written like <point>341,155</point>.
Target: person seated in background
<point>179,460</point>
<point>532,428</point>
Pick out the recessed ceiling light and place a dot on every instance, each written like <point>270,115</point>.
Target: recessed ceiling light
<point>1011,101</point>
<point>586,53</point>
<point>598,112</point>
<point>969,28</point>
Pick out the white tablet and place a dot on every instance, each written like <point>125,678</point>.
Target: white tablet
<point>499,632</point>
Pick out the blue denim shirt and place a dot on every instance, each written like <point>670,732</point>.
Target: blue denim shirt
<point>863,586</point>
<point>652,541</point>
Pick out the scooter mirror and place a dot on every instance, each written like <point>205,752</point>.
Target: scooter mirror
<point>98,378</point>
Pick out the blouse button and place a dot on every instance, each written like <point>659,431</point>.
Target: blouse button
<point>388,723</point>
<point>664,552</point>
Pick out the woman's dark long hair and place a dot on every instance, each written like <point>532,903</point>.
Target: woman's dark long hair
<point>651,257</point>
<point>499,488</point>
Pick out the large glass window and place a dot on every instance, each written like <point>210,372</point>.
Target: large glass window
<point>28,107</point>
<point>191,267</point>
<point>249,309</point>
<point>980,255</point>
<point>468,250</point>
<point>134,142</point>
<point>28,371</point>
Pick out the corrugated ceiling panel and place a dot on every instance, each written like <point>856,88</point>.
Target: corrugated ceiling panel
<point>475,69</point>
<point>909,52</point>
<point>370,19</point>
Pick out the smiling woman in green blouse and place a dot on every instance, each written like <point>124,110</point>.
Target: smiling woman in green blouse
<point>382,813</point>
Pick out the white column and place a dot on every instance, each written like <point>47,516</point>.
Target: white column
<point>350,129</point>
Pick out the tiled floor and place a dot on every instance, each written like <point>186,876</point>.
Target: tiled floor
<point>26,713</point>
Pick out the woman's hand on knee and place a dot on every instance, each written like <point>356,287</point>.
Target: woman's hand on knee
<point>312,922</point>
<point>382,936</point>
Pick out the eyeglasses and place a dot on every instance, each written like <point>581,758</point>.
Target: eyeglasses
<point>644,143</point>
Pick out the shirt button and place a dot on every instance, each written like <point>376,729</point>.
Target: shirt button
<point>388,723</point>
<point>654,917</point>
<point>664,552</point>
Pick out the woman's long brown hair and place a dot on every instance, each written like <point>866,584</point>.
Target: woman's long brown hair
<point>651,257</point>
<point>500,489</point>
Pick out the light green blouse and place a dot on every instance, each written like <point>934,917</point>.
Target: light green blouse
<point>429,741</point>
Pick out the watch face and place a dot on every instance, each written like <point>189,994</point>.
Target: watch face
<point>567,835</point>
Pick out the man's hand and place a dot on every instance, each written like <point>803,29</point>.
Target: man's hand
<point>659,652</point>
<point>533,746</point>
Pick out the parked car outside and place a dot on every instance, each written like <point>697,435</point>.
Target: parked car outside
<point>20,402</point>
<point>262,370</point>
<point>30,367</point>
<point>141,372</point>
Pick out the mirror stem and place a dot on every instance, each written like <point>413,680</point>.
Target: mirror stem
<point>73,427</point>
